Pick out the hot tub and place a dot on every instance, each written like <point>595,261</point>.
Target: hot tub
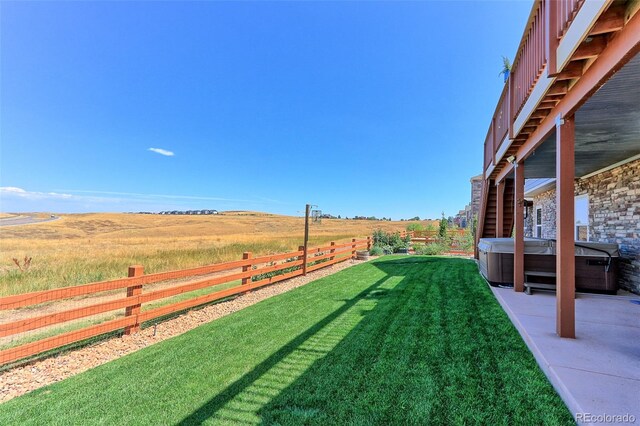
<point>596,263</point>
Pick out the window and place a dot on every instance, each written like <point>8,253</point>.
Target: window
<point>538,222</point>
<point>582,218</point>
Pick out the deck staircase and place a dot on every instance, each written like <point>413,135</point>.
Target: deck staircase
<point>488,218</point>
<point>509,194</point>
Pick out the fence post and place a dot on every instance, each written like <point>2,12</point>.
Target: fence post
<point>303,257</point>
<point>134,291</point>
<point>333,243</point>
<point>353,248</point>
<point>245,256</point>
<point>368,243</point>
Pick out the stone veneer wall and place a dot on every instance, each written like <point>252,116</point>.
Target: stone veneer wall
<point>476,194</point>
<point>528,222</point>
<point>546,200</point>
<point>614,216</point>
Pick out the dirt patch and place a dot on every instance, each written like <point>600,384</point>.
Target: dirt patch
<point>26,378</point>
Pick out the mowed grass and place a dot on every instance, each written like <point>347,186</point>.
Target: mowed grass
<point>400,340</point>
<point>83,248</point>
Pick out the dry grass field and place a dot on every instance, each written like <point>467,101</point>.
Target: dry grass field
<point>83,248</point>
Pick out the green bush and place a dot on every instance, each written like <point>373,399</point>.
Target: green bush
<point>390,242</point>
<point>415,227</point>
<point>431,249</point>
<point>376,251</point>
<point>444,225</point>
<point>465,242</point>
<point>400,246</point>
<point>387,249</point>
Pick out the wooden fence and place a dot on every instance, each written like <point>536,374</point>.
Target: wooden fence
<point>453,240</point>
<point>251,272</point>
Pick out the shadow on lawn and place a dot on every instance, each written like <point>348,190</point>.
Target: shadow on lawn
<point>424,344</point>
<point>219,401</point>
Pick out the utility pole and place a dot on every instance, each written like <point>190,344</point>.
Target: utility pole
<point>307,212</point>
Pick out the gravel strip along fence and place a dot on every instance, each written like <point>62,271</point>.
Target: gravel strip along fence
<point>26,378</point>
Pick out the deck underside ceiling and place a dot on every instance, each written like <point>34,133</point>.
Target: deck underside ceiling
<point>607,128</point>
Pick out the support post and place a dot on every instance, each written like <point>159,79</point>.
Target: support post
<point>518,211</point>
<point>333,243</point>
<point>304,259</point>
<point>353,248</point>
<point>307,212</point>
<point>565,251</point>
<point>246,256</point>
<point>368,243</point>
<point>500,209</point>
<point>134,291</point>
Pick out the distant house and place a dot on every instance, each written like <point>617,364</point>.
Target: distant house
<point>190,212</point>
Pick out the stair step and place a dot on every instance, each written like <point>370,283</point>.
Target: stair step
<point>529,286</point>
<point>540,285</point>
<point>539,274</point>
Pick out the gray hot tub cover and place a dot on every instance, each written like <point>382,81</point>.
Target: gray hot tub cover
<point>546,247</point>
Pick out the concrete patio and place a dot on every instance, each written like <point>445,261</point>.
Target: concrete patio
<point>598,373</point>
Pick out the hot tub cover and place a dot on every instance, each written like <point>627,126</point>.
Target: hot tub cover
<point>547,247</point>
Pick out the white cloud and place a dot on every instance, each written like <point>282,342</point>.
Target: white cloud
<point>161,151</point>
<point>159,196</point>
<point>12,191</point>
<point>15,199</point>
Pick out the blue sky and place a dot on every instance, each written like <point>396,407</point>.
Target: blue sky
<point>362,108</point>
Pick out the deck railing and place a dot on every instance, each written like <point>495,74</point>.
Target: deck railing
<point>488,147</point>
<point>548,22</point>
<point>566,11</point>
<point>530,59</point>
<point>501,118</point>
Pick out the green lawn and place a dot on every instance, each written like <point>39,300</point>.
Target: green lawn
<point>407,339</point>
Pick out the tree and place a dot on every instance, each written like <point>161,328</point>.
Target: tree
<point>415,227</point>
<point>444,224</point>
<point>474,225</point>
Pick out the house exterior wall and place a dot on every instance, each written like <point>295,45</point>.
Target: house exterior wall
<point>528,222</point>
<point>473,208</point>
<point>547,202</point>
<point>614,216</point>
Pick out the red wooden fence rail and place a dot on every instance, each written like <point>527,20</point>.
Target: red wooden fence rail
<point>249,267</point>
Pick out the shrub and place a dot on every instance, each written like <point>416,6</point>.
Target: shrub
<point>465,242</point>
<point>431,249</point>
<point>387,249</point>
<point>390,241</point>
<point>376,251</point>
<point>444,225</point>
<point>415,227</point>
<point>400,246</point>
